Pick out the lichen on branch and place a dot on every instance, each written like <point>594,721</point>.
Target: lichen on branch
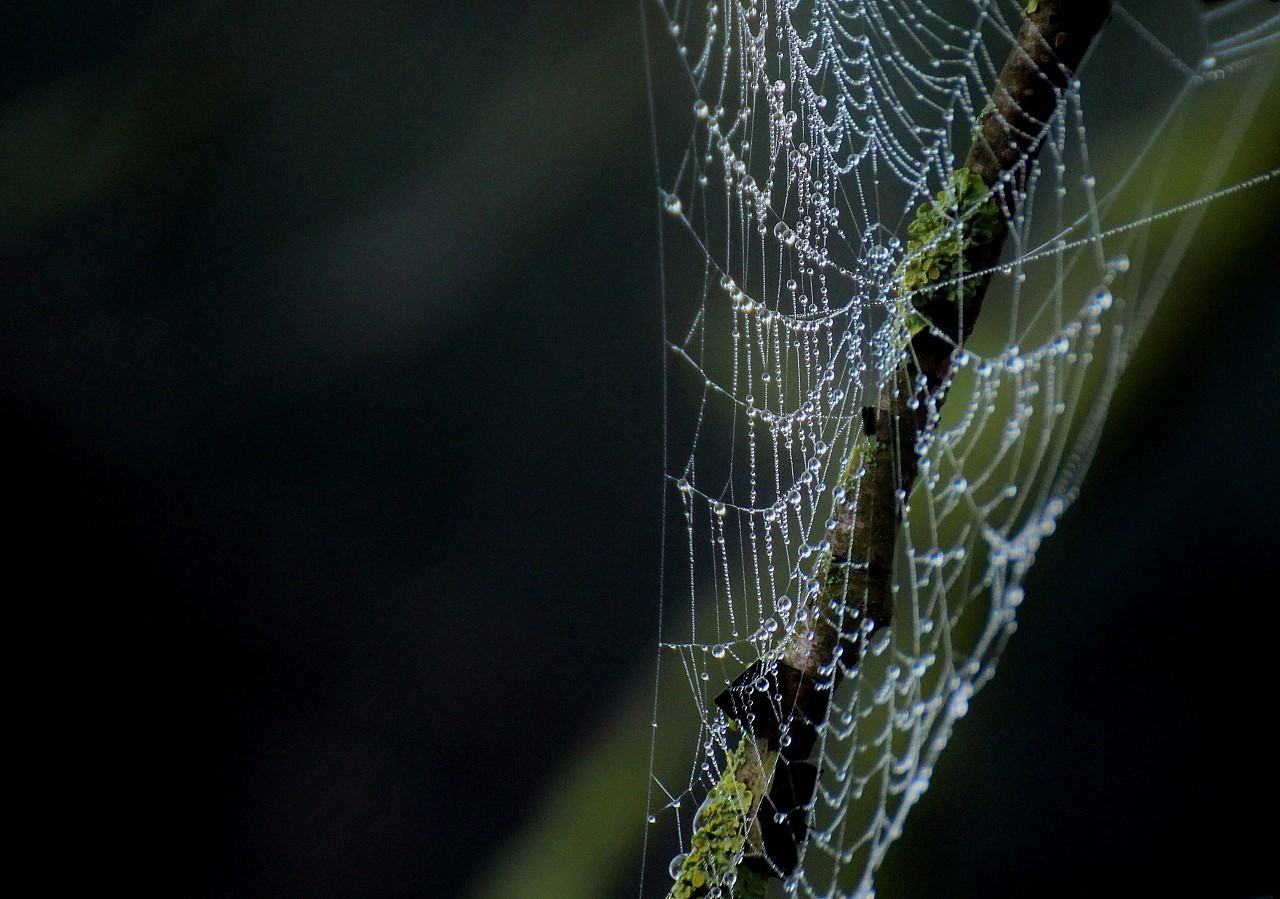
<point>964,215</point>
<point>710,869</point>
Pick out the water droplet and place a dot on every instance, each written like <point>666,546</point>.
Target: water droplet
<point>718,650</point>
<point>676,864</point>
<point>720,509</point>
<point>917,788</point>
<point>881,644</point>
<point>673,205</point>
<point>783,605</point>
<point>701,110</point>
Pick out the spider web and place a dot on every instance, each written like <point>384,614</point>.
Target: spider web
<point>806,136</point>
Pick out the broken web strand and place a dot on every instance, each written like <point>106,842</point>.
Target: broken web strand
<point>782,273</point>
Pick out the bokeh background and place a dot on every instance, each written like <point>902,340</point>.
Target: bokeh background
<point>331,389</point>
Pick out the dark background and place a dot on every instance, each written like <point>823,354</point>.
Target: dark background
<point>331,386</point>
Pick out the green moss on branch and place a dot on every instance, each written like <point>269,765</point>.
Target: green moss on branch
<point>963,216</point>
<point>711,868</point>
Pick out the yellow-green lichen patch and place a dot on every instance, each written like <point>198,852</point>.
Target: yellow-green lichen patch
<point>912,320</point>
<point>964,215</point>
<point>862,459</point>
<point>718,838</point>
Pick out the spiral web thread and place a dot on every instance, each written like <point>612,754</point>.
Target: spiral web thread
<point>814,131</point>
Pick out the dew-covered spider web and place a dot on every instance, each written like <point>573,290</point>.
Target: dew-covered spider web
<point>797,143</point>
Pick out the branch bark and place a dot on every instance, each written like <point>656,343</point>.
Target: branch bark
<point>854,595</point>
